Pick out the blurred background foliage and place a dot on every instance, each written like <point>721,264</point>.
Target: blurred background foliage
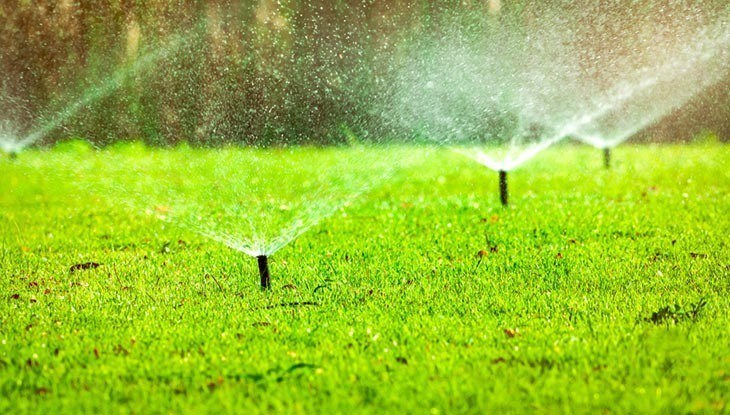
<point>270,72</point>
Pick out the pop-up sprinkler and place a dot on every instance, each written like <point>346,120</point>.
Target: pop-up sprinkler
<point>264,271</point>
<point>607,157</point>
<point>12,155</point>
<point>503,195</point>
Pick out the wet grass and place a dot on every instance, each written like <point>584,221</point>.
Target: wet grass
<point>596,291</point>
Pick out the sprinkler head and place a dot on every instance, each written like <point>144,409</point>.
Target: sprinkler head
<point>12,155</point>
<point>607,157</point>
<point>264,271</point>
<point>503,194</point>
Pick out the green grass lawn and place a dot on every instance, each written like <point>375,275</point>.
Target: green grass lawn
<point>411,291</point>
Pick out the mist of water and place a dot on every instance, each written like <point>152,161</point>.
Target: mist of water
<point>684,71</point>
<point>501,93</point>
<point>255,201</point>
<point>480,86</point>
<point>12,141</point>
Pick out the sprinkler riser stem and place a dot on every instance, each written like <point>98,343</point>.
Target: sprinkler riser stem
<point>264,271</point>
<point>606,157</point>
<point>503,193</point>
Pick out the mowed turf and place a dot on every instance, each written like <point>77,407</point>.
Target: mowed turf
<point>595,291</point>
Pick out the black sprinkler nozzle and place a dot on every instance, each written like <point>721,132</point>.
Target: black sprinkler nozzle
<point>503,194</point>
<point>607,157</point>
<point>264,271</point>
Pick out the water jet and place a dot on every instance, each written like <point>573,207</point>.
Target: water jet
<point>106,86</point>
<point>263,261</point>
<point>271,197</point>
<point>640,98</point>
